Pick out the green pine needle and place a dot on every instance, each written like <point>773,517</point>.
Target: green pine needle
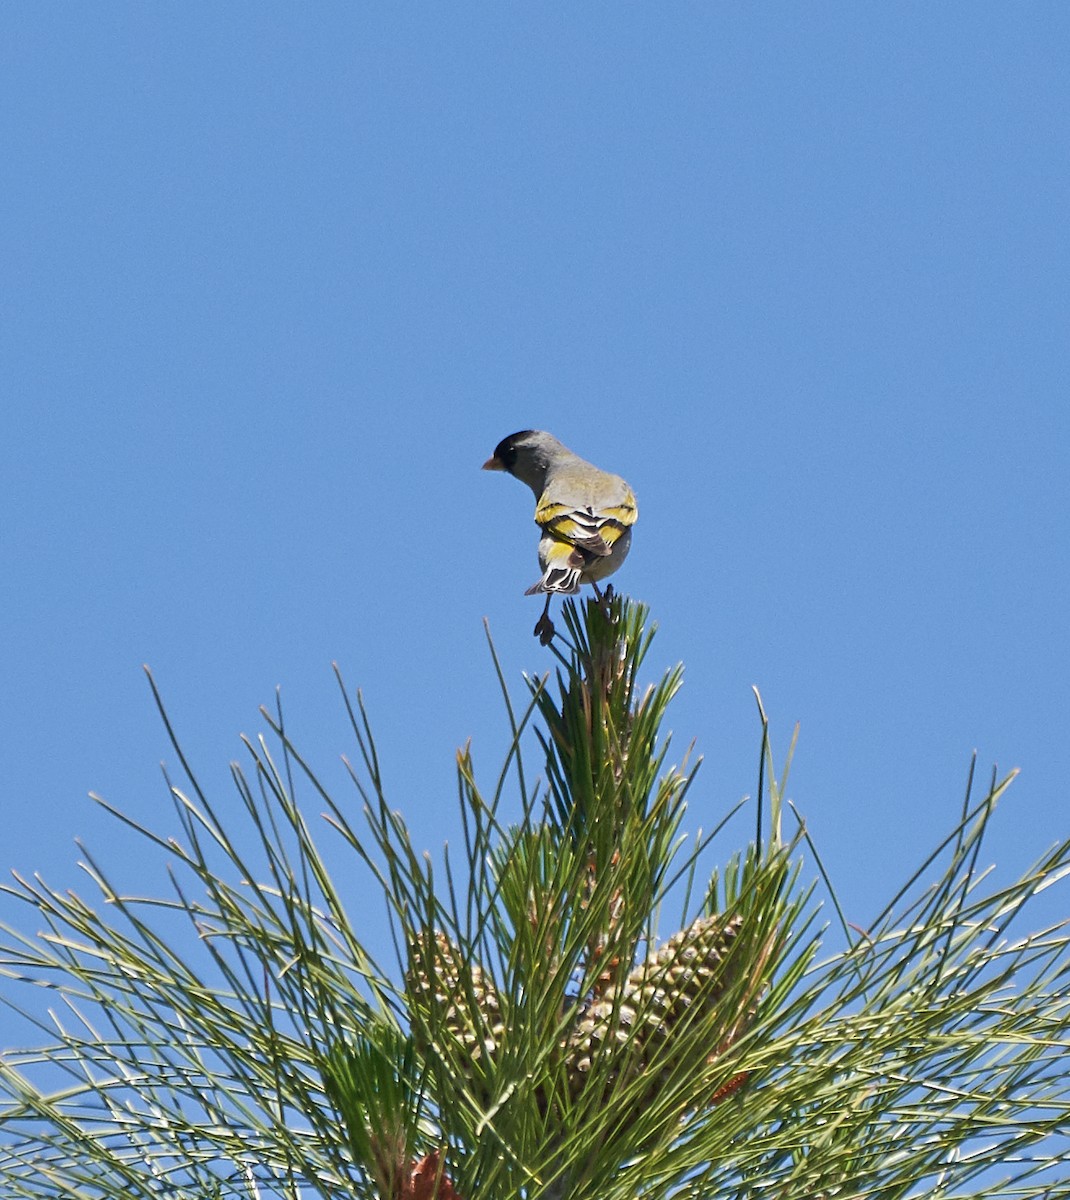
<point>542,1030</point>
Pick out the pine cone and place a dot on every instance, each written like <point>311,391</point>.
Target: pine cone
<point>634,1024</point>
<point>455,1005</point>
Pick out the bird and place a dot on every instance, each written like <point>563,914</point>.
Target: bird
<point>585,515</point>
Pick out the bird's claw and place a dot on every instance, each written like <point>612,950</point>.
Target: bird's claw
<point>604,600</point>
<point>544,630</point>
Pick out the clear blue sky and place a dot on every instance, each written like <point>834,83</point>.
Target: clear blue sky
<point>277,278</point>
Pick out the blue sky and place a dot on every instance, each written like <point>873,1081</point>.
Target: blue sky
<point>276,279</point>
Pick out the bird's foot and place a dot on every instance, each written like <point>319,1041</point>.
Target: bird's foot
<point>604,600</point>
<point>544,629</point>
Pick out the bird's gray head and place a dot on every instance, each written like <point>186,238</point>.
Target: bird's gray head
<point>527,456</point>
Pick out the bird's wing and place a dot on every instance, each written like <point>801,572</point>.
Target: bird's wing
<point>593,528</point>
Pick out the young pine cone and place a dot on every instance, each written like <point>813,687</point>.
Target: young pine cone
<point>455,1005</point>
<point>634,1024</point>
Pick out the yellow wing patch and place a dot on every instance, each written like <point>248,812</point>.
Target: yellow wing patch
<point>593,529</point>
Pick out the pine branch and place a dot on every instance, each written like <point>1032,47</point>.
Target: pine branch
<point>542,1034</point>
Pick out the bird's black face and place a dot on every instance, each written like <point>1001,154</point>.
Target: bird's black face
<point>506,450</point>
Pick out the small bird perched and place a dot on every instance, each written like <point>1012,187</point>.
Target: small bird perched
<point>585,515</point>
